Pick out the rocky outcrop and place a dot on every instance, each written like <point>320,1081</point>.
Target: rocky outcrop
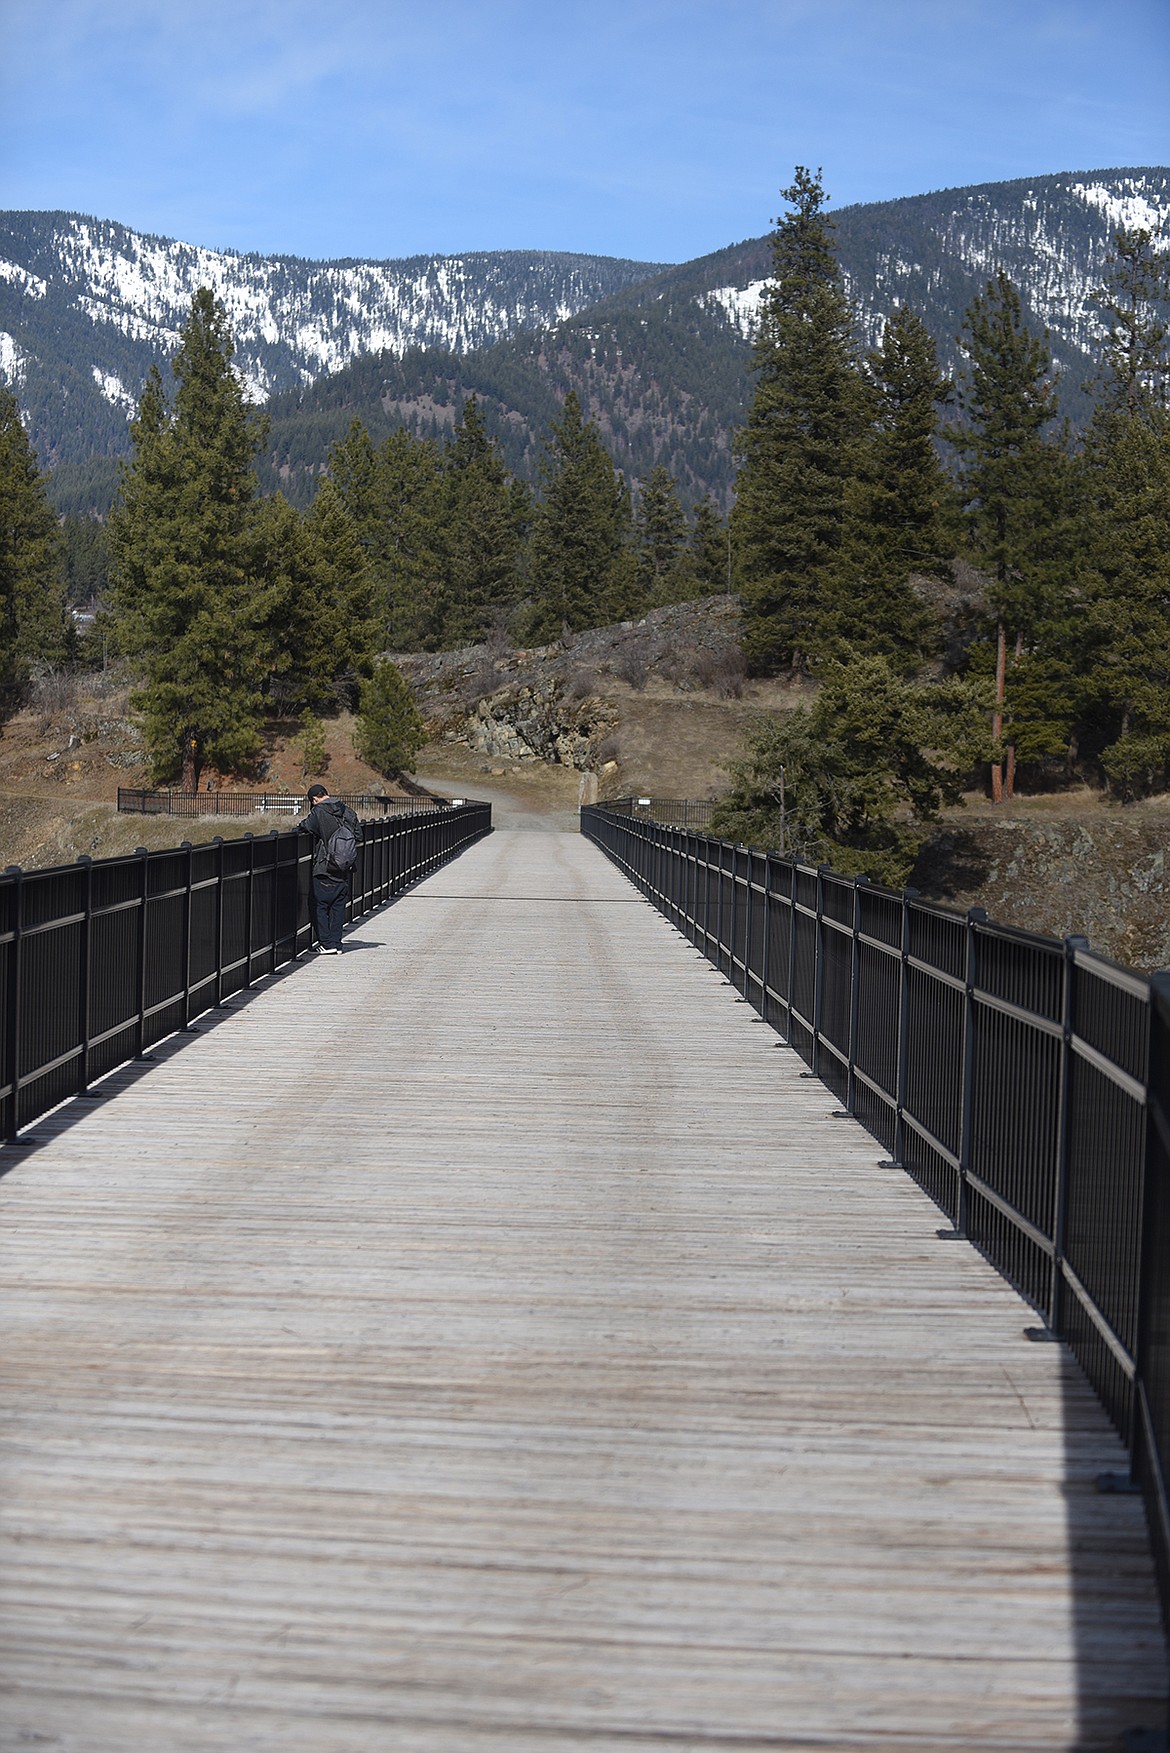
<point>538,724</point>
<point>1103,876</point>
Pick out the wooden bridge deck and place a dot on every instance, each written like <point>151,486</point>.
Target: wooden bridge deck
<point>488,1341</point>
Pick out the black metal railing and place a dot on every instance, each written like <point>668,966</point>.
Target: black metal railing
<point>676,812</point>
<point>100,959</point>
<point>1023,1081</point>
<point>132,800</point>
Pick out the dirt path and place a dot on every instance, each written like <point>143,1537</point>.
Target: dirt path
<point>525,809</point>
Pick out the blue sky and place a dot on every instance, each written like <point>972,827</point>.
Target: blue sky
<point>620,127</point>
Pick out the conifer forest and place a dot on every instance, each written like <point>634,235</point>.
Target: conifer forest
<point>979,587</point>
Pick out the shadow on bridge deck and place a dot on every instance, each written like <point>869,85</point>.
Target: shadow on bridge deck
<point>489,1340</point>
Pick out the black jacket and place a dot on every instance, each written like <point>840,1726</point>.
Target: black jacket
<point>322,822</point>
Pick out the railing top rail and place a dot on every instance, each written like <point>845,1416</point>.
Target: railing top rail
<point>1116,973</point>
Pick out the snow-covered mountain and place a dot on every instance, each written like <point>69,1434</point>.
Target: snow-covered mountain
<point>664,365</point>
<point>96,303</point>
<point>659,353</point>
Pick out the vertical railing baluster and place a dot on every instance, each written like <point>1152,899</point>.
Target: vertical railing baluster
<point>249,887</point>
<point>901,1071</point>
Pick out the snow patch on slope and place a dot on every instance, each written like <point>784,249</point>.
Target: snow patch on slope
<point>115,391</point>
<point>28,283</point>
<point>1131,210</point>
<point>13,361</point>
<point>740,305</point>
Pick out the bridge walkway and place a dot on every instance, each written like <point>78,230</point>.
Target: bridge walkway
<point>488,1340</point>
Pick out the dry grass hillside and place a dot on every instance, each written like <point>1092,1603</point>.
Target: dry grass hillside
<point>64,755</point>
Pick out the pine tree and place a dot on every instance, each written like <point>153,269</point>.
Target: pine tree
<point>581,556</point>
<point>350,616</point>
<point>851,780</point>
<point>1016,488</point>
<point>709,546</point>
<point>903,513</point>
<point>34,626</point>
<point>1133,301</point>
<point>809,415</point>
<point>411,487</point>
<point>665,568</point>
<point>389,731</point>
<point>481,538</point>
<point>190,608</point>
<point>358,474</point>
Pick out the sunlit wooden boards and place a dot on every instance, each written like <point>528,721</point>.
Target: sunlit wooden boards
<point>487,1340</point>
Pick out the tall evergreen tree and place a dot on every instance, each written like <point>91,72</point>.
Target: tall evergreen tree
<point>903,512</point>
<point>581,555</point>
<point>481,536</point>
<point>1133,301</point>
<point>665,569</point>
<point>411,485</point>
<point>189,607</point>
<point>34,626</point>
<point>809,415</point>
<point>1016,491</point>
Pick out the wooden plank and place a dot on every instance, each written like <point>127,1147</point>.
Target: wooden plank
<point>487,1340</point>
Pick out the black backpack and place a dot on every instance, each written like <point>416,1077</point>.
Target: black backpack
<point>341,848</point>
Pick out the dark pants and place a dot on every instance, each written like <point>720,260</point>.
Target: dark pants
<point>330,896</point>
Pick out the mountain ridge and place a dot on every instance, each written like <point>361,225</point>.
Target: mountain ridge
<point>659,351</point>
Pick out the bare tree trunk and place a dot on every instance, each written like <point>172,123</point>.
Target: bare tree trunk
<point>1010,780</point>
<point>189,781</point>
<point>997,717</point>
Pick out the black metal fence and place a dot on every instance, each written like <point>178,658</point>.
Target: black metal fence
<point>261,803</point>
<point>98,960</point>
<point>676,812</point>
<point>1023,1081</point>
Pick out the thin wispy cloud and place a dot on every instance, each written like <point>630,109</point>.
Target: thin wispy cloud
<point>652,128</point>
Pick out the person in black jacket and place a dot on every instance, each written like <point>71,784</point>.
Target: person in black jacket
<point>330,879</point>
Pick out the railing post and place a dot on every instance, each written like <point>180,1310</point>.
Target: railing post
<point>85,963</point>
<point>12,1003</point>
<point>249,887</point>
<point>218,843</point>
<point>766,941</point>
<point>143,856</point>
<point>859,883</point>
<point>976,916</point>
<point>902,1071</point>
<point>188,907</point>
<point>818,971</point>
<point>791,948</point>
<point>1063,1135</point>
<point>274,894</point>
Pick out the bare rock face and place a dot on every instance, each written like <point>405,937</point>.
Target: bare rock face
<point>539,724</point>
<point>1103,876</point>
<point>555,703</point>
